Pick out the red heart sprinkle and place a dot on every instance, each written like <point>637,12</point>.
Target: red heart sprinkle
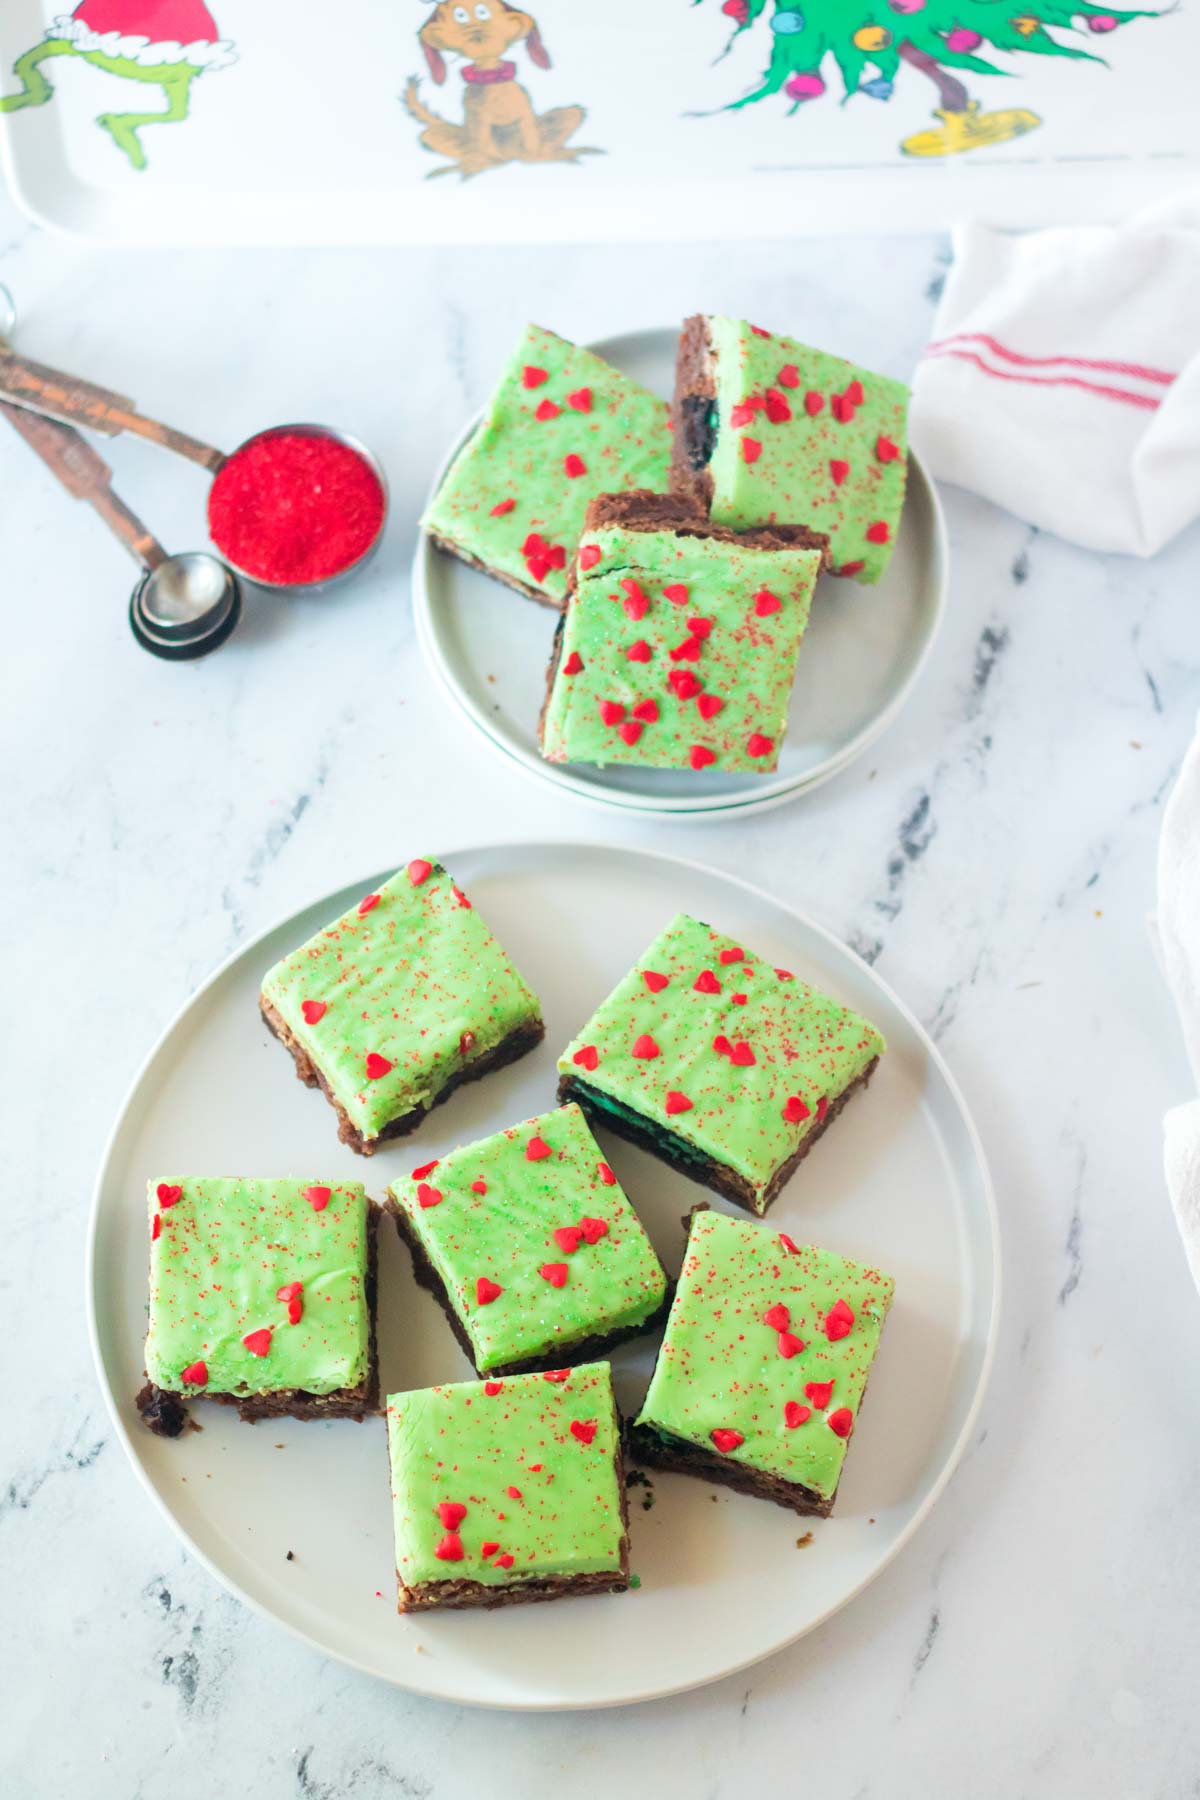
<point>568,1238</point>
<point>168,1193</point>
<point>677,1102</point>
<point>842,408</point>
<point>419,870</point>
<point>593,1229</point>
<point>639,652</point>
<point>751,450</point>
<point>688,651</point>
<point>536,1149</point>
<point>759,331</point>
<point>636,605</point>
<point>732,954</point>
<point>645,1047</point>
<point>841,1422</point>
<point>424,1170</point>
<point>839,470</point>
<point>788,376</point>
<point>291,1290</point>
<point>789,1346</point>
<point>785,975</point>
<point>630,732</point>
<point>501,507</point>
<point>722,1045</point>
<point>460,899</point>
<point>486,1291</point>
<point>479,1186</point>
<point>538,567</point>
<point>588,1057</point>
<point>573,664</point>
<point>492,1388</point>
<point>700,757</point>
<point>777,1317</point>
<point>684,683</point>
<point>794,1414</point>
<point>554,1273</point>
<point>573,466</point>
<point>489,1548</point>
<point>819,1392</point>
<point>879,533</point>
<point>822,1109</point>
<point>700,627</point>
<point>555,1374</point>
<point>647,710</point>
<point>628,584</point>
<point>788,1244</point>
<point>534,545</point>
<point>778,410</point>
<point>258,1342</point>
<point>155,1226</point>
<point>312,1010</point>
<point>612,712</point>
<point>451,1513</point>
<point>676,592</point>
<point>726,1440</point>
<point>503,1562</point>
<point>581,399</point>
<point>606,1175</point>
<point>854,393</point>
<point>837,1321</point>
<point>739,999</point>
<point>885,450</point>
<point>589,555</point>
<point>317,1197</point>
<point>546,409</point>
<point>514,1493</point>
<point>743,1055</point>
<point>450,1549</point>
<point>196,1374</point>
<point>532,376</point>
<point>706,983</point>
<point>428,1196</point>
<point>377,1066</point>
<point>794,1110</point>
<point>654,981</point>
<point>743,413</point>
<point>813,402</point>
<point>584,1429</point>
<point>765,602</point>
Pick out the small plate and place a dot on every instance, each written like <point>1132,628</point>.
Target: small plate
<point>862,652</point>
<point>900,1182</point>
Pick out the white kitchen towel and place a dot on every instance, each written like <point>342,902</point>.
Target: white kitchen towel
<point>1177,930</point>
<point>1063,377</point>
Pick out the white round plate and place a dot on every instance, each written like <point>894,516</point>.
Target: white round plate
<point>900,1182</point>
<point>862,652</point>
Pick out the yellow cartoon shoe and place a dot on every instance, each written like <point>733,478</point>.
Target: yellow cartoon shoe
<point>970,130</point>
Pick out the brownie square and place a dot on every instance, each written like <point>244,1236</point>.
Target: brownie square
<point>678,645</point>
<point>728,1068</point>
<point>769,431</point>
<point>561,426</point>
<point>762,1370</point>
<point>262,1295</point>
<point>398,1002</point>
<point>508,1490</point>
<point>531,1247</point>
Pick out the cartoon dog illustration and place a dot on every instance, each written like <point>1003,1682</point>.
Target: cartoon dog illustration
<point>499,123</point>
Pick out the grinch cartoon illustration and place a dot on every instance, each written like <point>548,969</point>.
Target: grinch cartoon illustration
<point>868,42</point>
<point>499,124</point>
<point>161,43</point>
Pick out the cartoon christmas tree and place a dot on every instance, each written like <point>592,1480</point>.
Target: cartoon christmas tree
<point>867,41</point>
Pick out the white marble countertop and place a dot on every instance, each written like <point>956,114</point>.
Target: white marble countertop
<point>994,853</point>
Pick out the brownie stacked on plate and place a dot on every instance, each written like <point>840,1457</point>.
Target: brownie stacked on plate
<point>681,544</point>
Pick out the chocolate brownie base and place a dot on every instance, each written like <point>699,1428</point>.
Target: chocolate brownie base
<point>680,1155</point>
<point>166,1415</point>
<point>662,1451</point>
<point>692,409</point>
<point>512,581</point>
<point>517,1044</point>
<point>430,1596</point>
<point>563,1356</point>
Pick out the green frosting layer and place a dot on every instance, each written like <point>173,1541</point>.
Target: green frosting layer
<point>471,1443</point>
<point>791,480</point>
<point>722,1367</point>
<point>806,1049</point>
<point>506,1236</point>
<point>599,433</point>
<point>723,688</point>
<point>417,980</point>
<point>219,1254</point>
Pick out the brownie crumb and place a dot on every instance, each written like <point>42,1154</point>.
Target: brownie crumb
<point>802,1543</point>
<point>291,1556</point>
<point>162,1413</point>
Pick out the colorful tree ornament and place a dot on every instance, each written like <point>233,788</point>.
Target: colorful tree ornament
<point>1026,24</point>
<point>804,85</point>
<point>961,41</point>
<point>789,23</point>
<point>1102,22</point>
<point>870,38</point>
<point>907,7</point>
<point>878,89</point>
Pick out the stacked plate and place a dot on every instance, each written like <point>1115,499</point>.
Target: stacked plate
<point>862,653</point>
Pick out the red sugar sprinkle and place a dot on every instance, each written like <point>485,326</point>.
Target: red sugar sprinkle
<point>501,507</point>
<point>424,1170</point>
<point>367,904</point>
<point>258,1342</point>
<point>677,1102</point>
<point>837,1321</point>
<point>813,402</point>
<point>168,1193</point>
<point>885,450</point>
<point>419,870</point>
<point>639,652</point>
<point>377,1066</point>
<point>555,1374</point>
<point>794,1414</point>
<point>492,1388</point>
<point>574,466</point>
<point>789,1346</point>
<point>726,1440</point>
<point>486,1291</point>
<point>794,1110</point>
<point>196,1374</point>
<point>854,393</point>
<point>589,555</point>
<point>758,745</point>
<point>647,710</point>
<point>819,1392</point>
<point>606,1174</point>
<point>839,470</point>
<point>317,1197</point>
<point>879,533</point>
<point>584,1429</point>
<point>676,592</point>
<point>732,954</point>
<point>546,409</point>
<point>587,1057</point>
<point>479,1186</point>
<point>654,981</point>
<point>841,1422</point>
<point>503,1562</point>
<point>706,983</point>
<point>532,376</point>
<point>788,376</point>
<point>489,1547</point>
<point>573,664</point>
<point>450,1548</point>
<point>700,757</point>
<point>593,1229</point>
<point>312,1010</point>
<point>568,1238</point>
<point>295,507</point>
<point>428,1196</point>
<point>451,1513</point>
<point>765,602</point>
<point>581,399</point>
<point>751,449</point>
<point>514,1493</point>
<point>645,1047</point>
<point>777,1317</point>
<point>536,1149</point>
<point>156,1226</point>
<point>554,1273</point>
<point>612,712</point>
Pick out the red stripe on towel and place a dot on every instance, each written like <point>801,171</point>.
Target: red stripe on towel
<point>1146,401</point>
<point>1137,370</point>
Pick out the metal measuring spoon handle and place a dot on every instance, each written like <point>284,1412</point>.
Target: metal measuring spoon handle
<point>69,399</point>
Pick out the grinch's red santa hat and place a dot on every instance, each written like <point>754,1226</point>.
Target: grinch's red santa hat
<point>148,32</point>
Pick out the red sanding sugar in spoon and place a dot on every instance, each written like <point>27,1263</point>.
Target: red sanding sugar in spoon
<point>294,506</point>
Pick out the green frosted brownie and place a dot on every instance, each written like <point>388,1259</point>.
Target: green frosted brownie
<point>531,1247</point>
<point>261,1295</point>
<point>561,426</point>
<point>397,1002</point>
<point>510,1490</point>
<point>761,1373</point>
<point>725,1066</point>
<point>771,432</point>
<point>678,645</point>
